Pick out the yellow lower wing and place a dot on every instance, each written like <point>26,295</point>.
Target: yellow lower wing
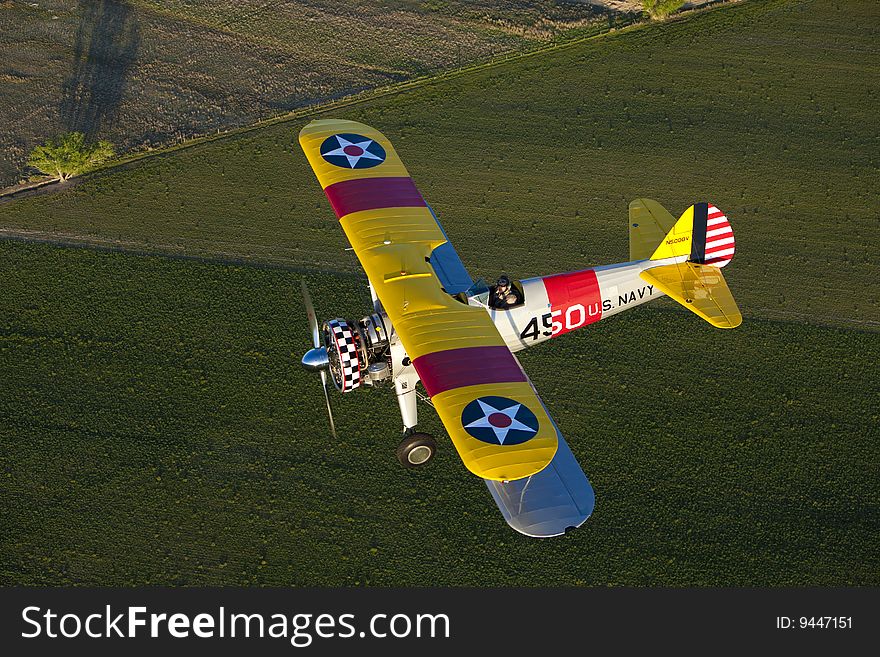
<point>699,288</point>
<point>474,381</point>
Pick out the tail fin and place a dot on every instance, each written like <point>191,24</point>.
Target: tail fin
<point>704,235</point>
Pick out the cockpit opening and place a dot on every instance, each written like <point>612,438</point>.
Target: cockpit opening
<point>506,294</point>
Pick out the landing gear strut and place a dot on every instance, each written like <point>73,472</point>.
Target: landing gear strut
<point>416,450</point>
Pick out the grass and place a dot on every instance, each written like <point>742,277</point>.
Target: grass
<point>156,428</point>
<point>143,73</point>
<point>531,164</point>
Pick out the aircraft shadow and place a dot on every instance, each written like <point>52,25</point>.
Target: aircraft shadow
<point>107,42</point>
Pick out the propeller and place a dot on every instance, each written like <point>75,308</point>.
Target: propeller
<point>315,359</point>
<point>310,313</point>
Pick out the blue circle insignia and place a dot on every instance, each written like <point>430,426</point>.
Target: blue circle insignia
<point>351,151</point>
<point>499,421</point>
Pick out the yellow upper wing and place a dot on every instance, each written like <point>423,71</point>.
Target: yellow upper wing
<point>486,403</point>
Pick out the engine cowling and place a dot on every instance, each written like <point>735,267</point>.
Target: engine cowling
<point>343,353</point>
<point>358,352</point>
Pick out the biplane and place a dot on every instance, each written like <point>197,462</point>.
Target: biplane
<point>432,324</point>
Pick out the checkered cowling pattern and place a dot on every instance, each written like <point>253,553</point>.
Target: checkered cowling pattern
<point>346,344</point>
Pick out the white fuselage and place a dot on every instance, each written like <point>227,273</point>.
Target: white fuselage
<point>552,306</point>
<point>560,303</point>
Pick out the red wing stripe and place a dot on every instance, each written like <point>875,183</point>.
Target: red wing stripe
<point>714,214</point>
<point>468,366</point>
<point>373,194</point>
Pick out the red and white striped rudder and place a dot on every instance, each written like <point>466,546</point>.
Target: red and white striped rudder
<point>720,244</point>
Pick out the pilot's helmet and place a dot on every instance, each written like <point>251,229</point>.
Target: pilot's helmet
<point>503,281</point>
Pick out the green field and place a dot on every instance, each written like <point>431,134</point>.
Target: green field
<point>155,426</point>
<point>158,429</point>
<point>767,109</point>
<point>147,72</point>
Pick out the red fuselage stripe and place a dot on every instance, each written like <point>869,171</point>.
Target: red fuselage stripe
<point>468,366</point>
<point>373,194</point>
<point>577,296</point>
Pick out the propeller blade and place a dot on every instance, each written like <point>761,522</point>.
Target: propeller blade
<point>310,313</point>
<point>327,399</point>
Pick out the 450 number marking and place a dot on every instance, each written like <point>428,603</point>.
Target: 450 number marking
<point>553,323</point>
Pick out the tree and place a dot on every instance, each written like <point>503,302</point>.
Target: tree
<point>69,154</point>
<point>660,9</point>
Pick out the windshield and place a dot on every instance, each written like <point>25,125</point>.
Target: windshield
<point>478,293</point>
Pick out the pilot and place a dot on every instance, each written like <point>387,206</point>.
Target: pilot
<point>505,295</point>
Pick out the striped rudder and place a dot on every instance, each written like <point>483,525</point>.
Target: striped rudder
<point>703,234</point>
<point>713,242</point>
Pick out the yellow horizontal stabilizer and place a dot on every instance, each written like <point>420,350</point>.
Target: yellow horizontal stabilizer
<point>649,223</point>
<point>700,288</point>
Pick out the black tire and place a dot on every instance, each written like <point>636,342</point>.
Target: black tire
<point>413,451</point>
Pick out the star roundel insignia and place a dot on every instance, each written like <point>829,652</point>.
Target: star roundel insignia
<point>499,421</point>
<point>352,151</point>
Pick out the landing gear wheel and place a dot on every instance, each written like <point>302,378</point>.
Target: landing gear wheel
<point>416,450</point>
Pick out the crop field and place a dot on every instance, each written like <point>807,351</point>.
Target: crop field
<point>155,425</point>
<point>531,164</point>
<point>158,429</point>
<point>147,72</point>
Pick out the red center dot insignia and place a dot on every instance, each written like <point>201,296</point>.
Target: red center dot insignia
<point>500,420</point>
<point>353,150</point>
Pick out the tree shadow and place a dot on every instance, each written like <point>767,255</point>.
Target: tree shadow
<point>107,42</point>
